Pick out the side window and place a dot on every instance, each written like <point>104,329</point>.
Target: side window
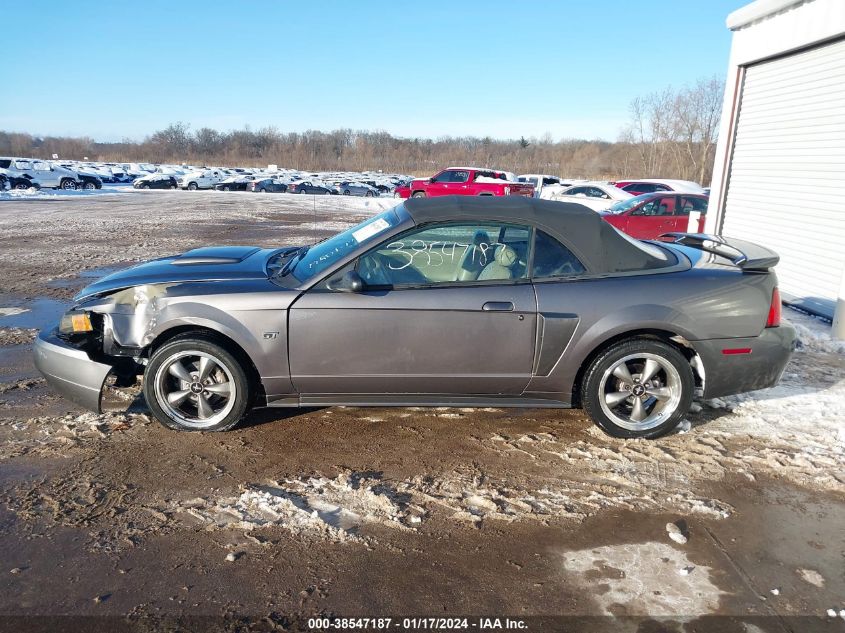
<point>575,191</point>
<point>449,253</point>
<point>644,187</point>
<point>553,259</point>
<point>595,192</point>
<point>452,175</point>
<point>692,203</point>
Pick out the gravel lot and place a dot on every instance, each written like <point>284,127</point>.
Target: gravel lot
<point>371,512</point>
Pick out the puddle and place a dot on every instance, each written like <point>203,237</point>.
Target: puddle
<point>15,363</point>
<point>39,314</point>
<point>86,277</point>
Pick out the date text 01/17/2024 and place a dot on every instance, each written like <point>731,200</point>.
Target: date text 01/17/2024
<point>416,624</point>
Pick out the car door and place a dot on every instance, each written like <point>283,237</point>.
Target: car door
<point>449,182</point>
<point>653,218</point>
<point>445,310</point>
<point>44,174</point>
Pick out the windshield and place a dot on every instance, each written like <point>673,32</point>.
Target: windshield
<point>630,203</point>
<point>323,255</point>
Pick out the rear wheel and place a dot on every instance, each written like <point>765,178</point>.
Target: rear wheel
<point>418,194</point>
<point>195,384</point>
<point>145,186</point>
<point>68,184</point>
<point>639,388</point>
<point>302,190</point>
<point>369,194</point>
<point>89,186</point>
<point>346,192</point>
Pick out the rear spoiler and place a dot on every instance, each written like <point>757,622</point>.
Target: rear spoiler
<point>745,255</point>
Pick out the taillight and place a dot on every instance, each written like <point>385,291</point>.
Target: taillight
<point>774,310</point>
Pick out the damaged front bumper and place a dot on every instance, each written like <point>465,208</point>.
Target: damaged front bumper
<point>70,371</point>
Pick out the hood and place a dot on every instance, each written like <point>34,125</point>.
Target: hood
<point>215,263</point>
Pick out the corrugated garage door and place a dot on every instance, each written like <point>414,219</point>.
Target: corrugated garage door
<point>787,180</point>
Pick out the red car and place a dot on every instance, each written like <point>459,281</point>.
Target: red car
<point>649,215</point>
<point>469,181</point>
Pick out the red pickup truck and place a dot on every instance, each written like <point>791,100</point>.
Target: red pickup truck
<point>469,181</point>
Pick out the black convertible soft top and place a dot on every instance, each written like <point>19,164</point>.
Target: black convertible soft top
<point>599,246</point>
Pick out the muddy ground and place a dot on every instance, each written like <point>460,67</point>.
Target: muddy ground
<point>531,514</point>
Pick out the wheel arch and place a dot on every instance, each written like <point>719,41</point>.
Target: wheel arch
<point>215,336</point>
<point>664,335</point>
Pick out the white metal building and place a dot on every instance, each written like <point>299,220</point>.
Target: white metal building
<point>779,177</point>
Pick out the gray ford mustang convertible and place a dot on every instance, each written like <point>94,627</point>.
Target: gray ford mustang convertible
<point>453,301</point>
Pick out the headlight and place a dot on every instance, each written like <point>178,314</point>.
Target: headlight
<point>75,322</point>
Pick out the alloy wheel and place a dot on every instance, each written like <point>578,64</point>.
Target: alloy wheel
<point>195,388</point>
<point>640,391</point>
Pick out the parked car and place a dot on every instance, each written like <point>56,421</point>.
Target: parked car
<point>637,187</point>
<point>155,181</point>
<point>540,181</point>
<point>348,188</point>
<point>267,185</point>
<point>205,179</point>
<point>491,302</point>
<point>42,172</point>
<point>89,181</point>
<point>234,183</point>
<point>597,196</point>
<point>469,181</point>
<point>650,215</point>
<point>305,186</point>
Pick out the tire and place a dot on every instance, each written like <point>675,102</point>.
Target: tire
<point>418,194</point>
<point>369,194</point>
<point>663,399</point>
<point>172,187</point>
<point>262,190</point>
<point>67,184</point>
<point>225,188</point>
<point>89,186</point>
<point>302,191</point>
<point>223,412</point>
<point>145,186</point>
<point>346,192</point>
<point>192,186</point>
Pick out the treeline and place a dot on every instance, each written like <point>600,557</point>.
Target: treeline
<point>671,134</point>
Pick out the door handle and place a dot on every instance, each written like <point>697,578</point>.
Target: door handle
<point>498,306</point>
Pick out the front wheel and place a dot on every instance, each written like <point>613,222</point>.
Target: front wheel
<point>89,185</point>
<point>639,388</point>
<point>418,194</point>
<point>67,184</point>
<point>193,186</point>
<point>195,384</point>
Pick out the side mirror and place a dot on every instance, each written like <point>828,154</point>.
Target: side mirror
<point>350,281</point>
<point>431,180</point>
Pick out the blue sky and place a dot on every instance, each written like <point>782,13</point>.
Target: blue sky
<point>124,69</point>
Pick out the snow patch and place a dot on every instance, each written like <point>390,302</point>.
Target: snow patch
<point>334,509</point>
<point>644,579</point>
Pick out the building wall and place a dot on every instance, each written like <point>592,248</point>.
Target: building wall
<point>761,30</point>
